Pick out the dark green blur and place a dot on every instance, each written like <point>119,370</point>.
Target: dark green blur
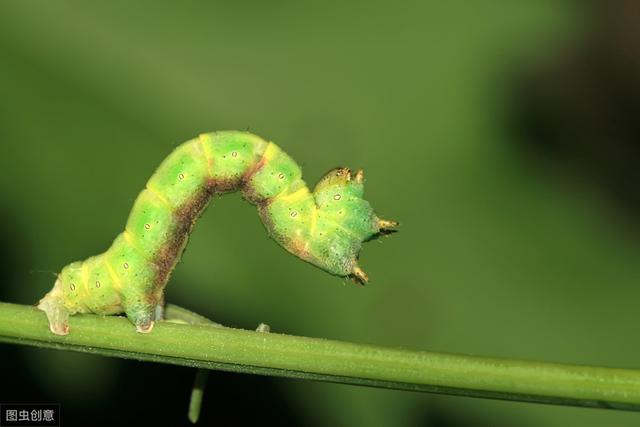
<point>500,253</point>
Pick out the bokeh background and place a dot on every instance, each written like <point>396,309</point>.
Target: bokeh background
<point>503,135</point>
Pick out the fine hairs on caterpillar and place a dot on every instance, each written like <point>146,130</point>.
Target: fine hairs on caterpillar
<point>325,228</point>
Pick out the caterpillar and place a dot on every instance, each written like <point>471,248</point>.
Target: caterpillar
<point>325,227</point>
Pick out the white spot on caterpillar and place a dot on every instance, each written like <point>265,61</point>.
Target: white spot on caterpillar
<point>337,197</point>
<point>147,226</point>
<point>181,176</point>
<point>97,283</point>
<point>293,214</point>
<point>234,154</point>
<point>281,175</point>
<point>72,287</point>
<point>125,265</point>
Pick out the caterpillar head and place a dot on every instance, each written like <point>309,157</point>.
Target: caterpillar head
<point>345,220</point>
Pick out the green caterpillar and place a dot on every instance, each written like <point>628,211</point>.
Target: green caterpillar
<point>325,228</point>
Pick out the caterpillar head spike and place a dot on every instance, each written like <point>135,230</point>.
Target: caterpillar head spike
<point>359,276</point>
<point>339,176</point>
<point>387,225</point>
<point>344,220</point>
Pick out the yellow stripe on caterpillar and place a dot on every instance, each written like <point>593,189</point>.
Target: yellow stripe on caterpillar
<point>270,152</point>
<point>296,196</point>
<point>117,284</point>
<point>159,196</point>
<point>84,274</point>
<point>131,240</point>
<point>204,138</point>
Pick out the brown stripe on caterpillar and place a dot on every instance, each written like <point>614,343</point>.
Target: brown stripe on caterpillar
<point>186,216</point>
<point>220,186</point>
<point>249,193</point>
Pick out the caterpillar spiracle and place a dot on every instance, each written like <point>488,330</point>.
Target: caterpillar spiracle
<point>325,227</point>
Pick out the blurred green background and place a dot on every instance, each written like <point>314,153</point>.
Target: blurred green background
<point>501,251</point>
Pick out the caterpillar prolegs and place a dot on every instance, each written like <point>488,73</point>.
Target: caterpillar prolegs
<point>325,228</point>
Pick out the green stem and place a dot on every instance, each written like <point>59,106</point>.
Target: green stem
<point>238,350</point>
<point>196,395</point>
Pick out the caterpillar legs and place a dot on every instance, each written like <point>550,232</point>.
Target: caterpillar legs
<point>57,314</point>
<point>142,309</point>
<point>144,319</point>
<point>145,328</point>
<point>143,316</point>
<point>141,313</point>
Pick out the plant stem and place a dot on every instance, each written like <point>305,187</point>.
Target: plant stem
<point>196,395</point>
<point>237,350</point>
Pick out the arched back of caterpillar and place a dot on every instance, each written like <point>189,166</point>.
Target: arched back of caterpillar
<point>325,227</point>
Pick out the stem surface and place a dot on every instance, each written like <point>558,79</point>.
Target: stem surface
<point>238,350</point>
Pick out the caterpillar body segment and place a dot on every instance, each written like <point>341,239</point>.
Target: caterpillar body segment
<point>325,227</point>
